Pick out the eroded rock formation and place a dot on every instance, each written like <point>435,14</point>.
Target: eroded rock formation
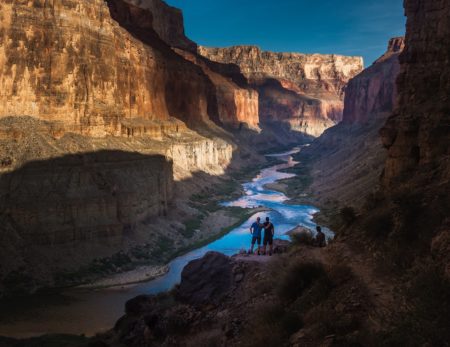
<point>96,119</point>
<point>347,160</point>
<point>237,105</point>
<point>304,91</point>
<point>373,93</point>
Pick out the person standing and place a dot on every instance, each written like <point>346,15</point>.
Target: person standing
<point>269,232</point>
<point>255,230</point>
<point>320,237</point>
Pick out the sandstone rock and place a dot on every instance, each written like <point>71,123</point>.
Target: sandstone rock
<point>237,105</point>
<point>89,67</point>
<point>206,280</point>
<point>304,91</point>
<point>373,93</point>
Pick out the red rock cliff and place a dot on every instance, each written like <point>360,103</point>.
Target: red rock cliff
<point>373,93</point>
<point>90,67</point>
<point>303,91</point>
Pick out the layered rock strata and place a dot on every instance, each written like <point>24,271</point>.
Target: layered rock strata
<point>373,93</point>
<point>347,160</point>
<point>236,105</point>
<point>304,91</point>
<point>92,68</point>
<point>96,119</point>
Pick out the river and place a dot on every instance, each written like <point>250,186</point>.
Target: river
<point>90,311</point>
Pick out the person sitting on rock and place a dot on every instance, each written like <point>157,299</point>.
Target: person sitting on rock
<point>320,238</point>
<point>255,230</point>
<point>269,232</point>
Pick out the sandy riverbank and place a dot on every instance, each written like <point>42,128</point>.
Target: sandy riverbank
<point>138,275</point>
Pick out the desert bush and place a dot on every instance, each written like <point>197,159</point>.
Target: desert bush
<point>302,238</point>
<point>298,277</point>
<point>348,215</point>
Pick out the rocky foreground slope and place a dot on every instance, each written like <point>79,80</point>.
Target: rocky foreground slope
<point>303,91</point>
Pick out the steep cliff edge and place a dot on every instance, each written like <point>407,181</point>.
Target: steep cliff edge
<point>303,91</point>
<point>417,170</point>
<point>347,160</point>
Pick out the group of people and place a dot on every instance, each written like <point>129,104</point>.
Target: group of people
<point>269,231</point>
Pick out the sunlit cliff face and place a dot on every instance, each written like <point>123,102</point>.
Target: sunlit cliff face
<point>302,91</point>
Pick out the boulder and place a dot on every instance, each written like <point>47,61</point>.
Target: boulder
<point>206,280</point>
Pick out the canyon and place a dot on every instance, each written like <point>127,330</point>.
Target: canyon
<point>384,280</point>
<point>108,113</point>
<point>113,122</point>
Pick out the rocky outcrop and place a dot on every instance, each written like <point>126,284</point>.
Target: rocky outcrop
<point>168,23</point>
<point>237,104</point>
<point>303,91</point>
<point>373,93</point>
<point>206,280</point>
<point>347,160</point>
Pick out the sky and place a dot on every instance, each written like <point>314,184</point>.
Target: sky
<point>347,27</point>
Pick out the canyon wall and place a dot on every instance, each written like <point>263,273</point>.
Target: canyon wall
<point>236,104</point>
<point>373,93</point>
<point>347,160</point>
<point>90,68</point>
<point>417,170</point>
<point>304,91</point>
<point>98,118</point>
<point>418,132</point>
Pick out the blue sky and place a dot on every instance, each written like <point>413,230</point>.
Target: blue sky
<point>349,27</point>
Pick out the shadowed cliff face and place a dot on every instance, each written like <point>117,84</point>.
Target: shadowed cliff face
<point>303,91</point>
<point>236,105</point>
<point>418,132</point>
<point>167,22</point>
<point>62,213</point>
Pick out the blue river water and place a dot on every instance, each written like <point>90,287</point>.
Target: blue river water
<point>91,311</point>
